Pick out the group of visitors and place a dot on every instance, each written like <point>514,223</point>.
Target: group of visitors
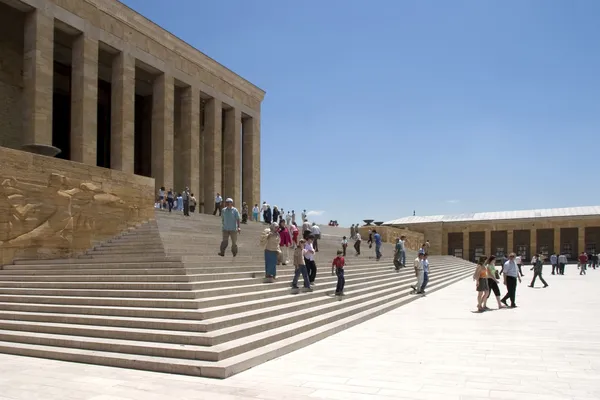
<point>184,201</point>
<point>487,280</point>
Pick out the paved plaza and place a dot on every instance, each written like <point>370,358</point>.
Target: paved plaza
<point>434,348</point>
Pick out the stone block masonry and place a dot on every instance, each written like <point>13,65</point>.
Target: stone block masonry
<point>90,62</point>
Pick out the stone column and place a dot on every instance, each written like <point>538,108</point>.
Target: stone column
<point>212,153</point>
<point>466,246</point>
<point>38,70</point>
<point>580,240</point>
<point>232,132</point>
<point>84,100</point>
<point>190,138</point>
<point>162,131</point>
<point>557,245</point>
<point>510,241</point>
<point>532,242</point>
<point>488,243</point>
<point>251,160</point>
<point>122,119</point>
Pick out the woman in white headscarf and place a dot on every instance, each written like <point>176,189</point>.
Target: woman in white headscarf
<point>270,241</point>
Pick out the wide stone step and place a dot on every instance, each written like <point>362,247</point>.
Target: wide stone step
<point>227,335</point>
<point>245,321</point>
<point>289,341</point>
<point>208,279</point>
<point>71,266</point>
<point>199,291</point>
<point>208,298</point>
<point>179,270</point>
<point>99,278</point>
<point>88,260</point>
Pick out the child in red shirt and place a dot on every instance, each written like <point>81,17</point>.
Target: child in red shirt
<point>338,263</point>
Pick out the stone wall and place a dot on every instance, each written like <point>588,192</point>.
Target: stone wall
<point>11,79</point>
<point>52,208</point>
<point>414,240</point>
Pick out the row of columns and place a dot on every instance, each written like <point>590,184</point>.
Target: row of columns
<point>532,240</point>
<point>205,176</point>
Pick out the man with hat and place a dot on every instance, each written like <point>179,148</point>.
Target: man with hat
<point>230,218</point>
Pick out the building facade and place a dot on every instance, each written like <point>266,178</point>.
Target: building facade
<point>562,230</point>
<point>106,87</point>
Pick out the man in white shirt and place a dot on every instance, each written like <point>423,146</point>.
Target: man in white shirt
<point>304,215</point>
<point>357,242</point>
<point>309,259</point>
<point>418,265</point>
<point>288,219</point>
<point>218,204</point>
<point>316,231</point>
<point>510,271</point>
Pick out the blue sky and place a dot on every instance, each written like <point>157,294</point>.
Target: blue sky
<point>378,108</point>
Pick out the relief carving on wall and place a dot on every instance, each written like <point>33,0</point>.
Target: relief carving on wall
<point>56,219</point>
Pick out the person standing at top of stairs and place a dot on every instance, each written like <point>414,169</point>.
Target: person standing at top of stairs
<point>230,218</point>
<point>218,204</point>
<point>186,201</point>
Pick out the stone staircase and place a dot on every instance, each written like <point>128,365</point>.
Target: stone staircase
<point>160,298</point>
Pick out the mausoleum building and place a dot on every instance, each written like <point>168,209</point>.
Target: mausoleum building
<point>101,85</point>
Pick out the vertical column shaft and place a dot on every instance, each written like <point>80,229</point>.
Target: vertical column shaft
<point>212,152</point>
<point>190,131</point>
<point>532,242</point>
<point>232,155</point>
<point>466,246</point>
<point>251,160</point>
<point>162,131</point>
<point>580,240</point>
<point>38,71</point>
<point>84,100</point>
<point>557,246</point>
<point>510,238</point>
<point>488,243</point>
<point>122,120</point>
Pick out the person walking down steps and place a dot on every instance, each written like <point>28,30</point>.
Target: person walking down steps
<point>300,267</point>
<point>339,263</point>
<point>270,241</point>
<point>537,271</point>
<point>230,218</point>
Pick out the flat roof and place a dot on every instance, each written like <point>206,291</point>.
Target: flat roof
<point>500,215</point>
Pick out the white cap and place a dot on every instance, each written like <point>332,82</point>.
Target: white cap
<point>228,200</point>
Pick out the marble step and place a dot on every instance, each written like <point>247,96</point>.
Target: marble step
<point>250,319</point>
<point>219,369</point>
<point>200,291</point>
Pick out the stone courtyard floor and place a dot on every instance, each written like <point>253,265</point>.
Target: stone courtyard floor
<point>433,348</point>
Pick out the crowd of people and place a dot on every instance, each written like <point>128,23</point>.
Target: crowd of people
<point>283,235</point>
<point>488,279</point>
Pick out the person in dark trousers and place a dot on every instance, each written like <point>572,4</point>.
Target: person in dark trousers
<point>300,267</point>
<point>510,272</point>
<point>186,201</point>
<point>562,261</point>
<point>339,263</point>
<point>537,271</point>
<point>309,259</point>
<point>357,242</point>
<point>218,204</point>
<point>170,199</point>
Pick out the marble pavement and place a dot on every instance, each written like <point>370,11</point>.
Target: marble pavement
<point>434,348</point>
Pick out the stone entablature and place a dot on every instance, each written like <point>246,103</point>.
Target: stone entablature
<point>124,28</point>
